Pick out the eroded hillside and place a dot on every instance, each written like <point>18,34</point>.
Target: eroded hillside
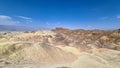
<point>60,48</point>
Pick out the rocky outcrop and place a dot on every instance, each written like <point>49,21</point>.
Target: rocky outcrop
<point>82,38</point>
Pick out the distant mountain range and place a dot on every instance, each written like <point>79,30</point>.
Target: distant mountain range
<point>15,28</point>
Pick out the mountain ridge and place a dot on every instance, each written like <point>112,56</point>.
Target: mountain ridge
<point>15,28</point>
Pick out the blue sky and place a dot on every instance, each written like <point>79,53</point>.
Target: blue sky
<point>73,14</point>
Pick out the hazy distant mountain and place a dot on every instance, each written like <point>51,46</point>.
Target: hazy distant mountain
<point>15,28</point>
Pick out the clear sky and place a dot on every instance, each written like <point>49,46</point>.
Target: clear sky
<point>74,14</point>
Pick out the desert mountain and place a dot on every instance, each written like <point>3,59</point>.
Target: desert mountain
<point>60,48</point>
<point>15,28</point>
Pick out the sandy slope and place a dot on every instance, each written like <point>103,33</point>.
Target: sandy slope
<point>42,55</point>
<point>85,60</point>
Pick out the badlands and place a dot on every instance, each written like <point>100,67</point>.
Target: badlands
<point>60,48</point>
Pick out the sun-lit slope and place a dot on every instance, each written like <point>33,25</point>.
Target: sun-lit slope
<point>87,60</point>
<point>112,56</point>
<point>9,48</point>
<point>102,59</point>
<point>35,52</point>
<point>70,49</point>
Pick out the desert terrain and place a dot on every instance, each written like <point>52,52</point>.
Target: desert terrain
<point>60,48</point>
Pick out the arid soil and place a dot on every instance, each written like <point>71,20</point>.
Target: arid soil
<point>60,48</point>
